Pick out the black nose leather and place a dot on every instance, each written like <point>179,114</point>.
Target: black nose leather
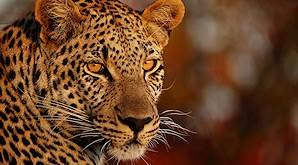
<point>136,125</point>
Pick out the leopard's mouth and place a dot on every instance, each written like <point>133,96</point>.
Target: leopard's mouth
<point>130,151</point>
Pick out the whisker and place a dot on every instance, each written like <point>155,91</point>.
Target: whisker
<point>151,150</point>
<point>57,108</point>
<point>43,99</point>
<point>173,133</point>
<point>59,123</point>
<point>83,128</point>
<point>168,88</point>
<point>175,126</point>
<point>95,141</point>
<point>163,140</point>
<point>85,134</point>
<point>144,160</point>
<point>174,112</point>
<point>106,145</point>
<point>62,106</point>
<point>118,162</point>
<point>164,130</point>
<point>90,130</point>
<point>57,103</point>
<point>154,143</point>
<point>71,121</point>
<point>63,112</point>
<point>95,135</point>
<point>112,157</point>
<point>55,116</point>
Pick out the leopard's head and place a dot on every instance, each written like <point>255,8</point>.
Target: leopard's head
<point>106,71</point>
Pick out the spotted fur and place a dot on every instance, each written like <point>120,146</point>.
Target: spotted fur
<point>53,110</point>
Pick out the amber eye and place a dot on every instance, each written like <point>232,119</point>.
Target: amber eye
<point>149,65</point>
<point>94,68</point>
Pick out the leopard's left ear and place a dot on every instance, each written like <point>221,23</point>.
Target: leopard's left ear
<point>59,19</point>
<point>162,17</point>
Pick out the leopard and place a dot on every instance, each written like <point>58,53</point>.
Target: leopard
<point>80,81</point>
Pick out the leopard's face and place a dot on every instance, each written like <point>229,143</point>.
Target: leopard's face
<point>111,77</point>
<point>105,83</point>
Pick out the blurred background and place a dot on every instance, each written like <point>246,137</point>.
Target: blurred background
<point>234,65</point>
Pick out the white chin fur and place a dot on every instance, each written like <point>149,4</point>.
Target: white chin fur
<point>130,152</point>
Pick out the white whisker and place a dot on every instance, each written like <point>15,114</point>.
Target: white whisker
<point>71,121</point>
<point>49,117</point>
<point>95,141</point>
<point>163,140</point>
<point>173,133</point>
<point>86,134</point>
<point>168,88</point>
<point>118,162</point>
<point>59,123</point>
<point>144,160</point>
<point>112,157</point>
<point>174,112</point>
<point>63,112</point>
<point>43,99</point>
<point>177,127</point>
<point>51,101</point>
<point>69,108</point>
<point>106,145</point>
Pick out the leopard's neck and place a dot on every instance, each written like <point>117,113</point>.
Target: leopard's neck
<point>23,61</point>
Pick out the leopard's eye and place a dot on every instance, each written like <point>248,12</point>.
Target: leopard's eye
<point>149,65</point>
<point>94,68</point>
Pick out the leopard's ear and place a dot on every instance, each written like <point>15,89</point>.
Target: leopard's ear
<point>162,17</point>
<point>59,19</point>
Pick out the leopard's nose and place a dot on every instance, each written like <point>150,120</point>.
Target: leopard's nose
<point>136,125</point>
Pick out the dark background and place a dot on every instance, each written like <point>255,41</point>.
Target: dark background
<point>234,65</point>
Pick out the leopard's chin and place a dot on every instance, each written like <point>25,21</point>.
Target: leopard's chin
<point>127,152</point>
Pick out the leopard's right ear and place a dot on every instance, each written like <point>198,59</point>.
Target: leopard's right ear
<point>162,17</point>
<point>59,20</point>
